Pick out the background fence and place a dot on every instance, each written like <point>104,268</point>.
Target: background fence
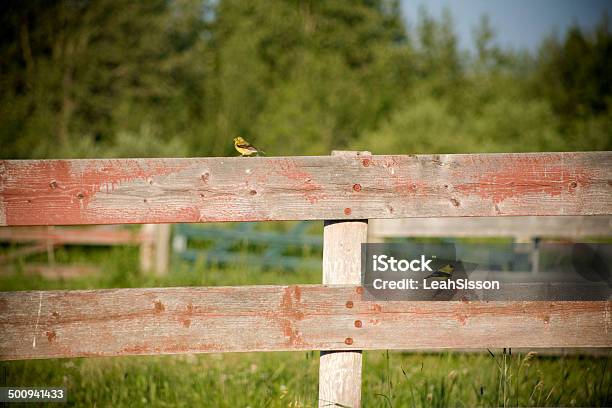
<point>152,240</point>
<point>345,189</point>
<point>290,250</point>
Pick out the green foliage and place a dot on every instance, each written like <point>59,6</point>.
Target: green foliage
<point>500,123</point>
<point>575,73</point>
<point>113,78</point>
<point>290,380</point>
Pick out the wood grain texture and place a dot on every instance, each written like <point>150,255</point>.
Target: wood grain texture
<point>566,227</point>
<point>340,371</point>
<point>59,192</point>
<point>265,318</point>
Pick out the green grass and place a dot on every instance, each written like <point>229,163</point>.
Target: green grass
<point>390,379</point>
<point>290,380</point>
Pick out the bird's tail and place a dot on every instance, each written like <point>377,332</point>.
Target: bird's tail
<point>261,153</point>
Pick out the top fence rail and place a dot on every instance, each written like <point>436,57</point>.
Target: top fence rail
<point>356,186</point>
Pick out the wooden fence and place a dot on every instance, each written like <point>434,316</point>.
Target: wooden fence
<point>152,240</point>
<point>344,189</point>
<point>521,229</point>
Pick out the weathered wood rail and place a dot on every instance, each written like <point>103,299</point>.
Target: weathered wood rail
<point>519,228</point>
<point>332,317</point>
<point>45,324</point>
<point>62,192</point>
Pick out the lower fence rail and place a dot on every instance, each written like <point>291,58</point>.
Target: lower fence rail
<point>114,322</point>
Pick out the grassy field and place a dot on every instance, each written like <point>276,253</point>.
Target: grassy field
<point>391,379</point>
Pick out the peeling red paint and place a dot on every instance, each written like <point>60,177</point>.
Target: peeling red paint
<point>61,191</point>
<point>189,213</point>
<point>312,191</point>
<point>22,182</point>
<point>289,313</point>
<point>403,185</point>
<point>136,349</point>
<point>108,174</point>
<point>521,176</point>
<point>146,348</point>
<point>402,182</point>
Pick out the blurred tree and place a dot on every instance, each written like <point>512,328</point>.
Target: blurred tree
<point>306,82</point>
<point>575,76</point>
<point>466,104</point>
<point>73,73</point>
<point>183,77</point>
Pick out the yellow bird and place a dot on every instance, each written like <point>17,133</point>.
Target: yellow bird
<point>442,273</point>
<point>245,148</point>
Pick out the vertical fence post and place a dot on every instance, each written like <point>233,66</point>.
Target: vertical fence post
<point>340,371</point>
<point>162,249</point>
<point>155,248</point>
<point>147,233</point>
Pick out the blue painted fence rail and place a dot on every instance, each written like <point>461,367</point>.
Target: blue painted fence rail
<point>225,246</point>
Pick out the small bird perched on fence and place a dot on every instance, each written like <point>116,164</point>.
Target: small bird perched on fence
<point>245,148</point>
<point>442,273</point>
